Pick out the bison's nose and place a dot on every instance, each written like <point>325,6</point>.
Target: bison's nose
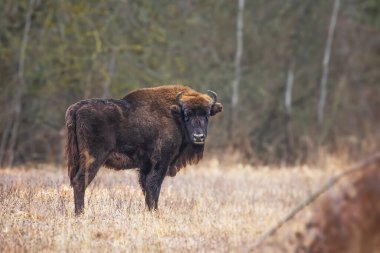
<point>199,138</point>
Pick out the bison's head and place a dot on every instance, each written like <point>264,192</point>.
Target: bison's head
<point>194,109</point>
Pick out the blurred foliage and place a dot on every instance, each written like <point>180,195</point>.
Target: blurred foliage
<point>72,44</point>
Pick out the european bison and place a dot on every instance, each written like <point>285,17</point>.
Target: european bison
<point>156,130</point>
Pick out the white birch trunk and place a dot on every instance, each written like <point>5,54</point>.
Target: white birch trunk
<point>289,90</point>
<point>238,54</point>
<point>326,61</point>
<point>236,82</point>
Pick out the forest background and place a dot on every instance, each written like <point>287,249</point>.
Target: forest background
<point>298,78</point>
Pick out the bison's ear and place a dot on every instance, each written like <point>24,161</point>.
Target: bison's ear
<point>176,110</point>
<point>217,107</point>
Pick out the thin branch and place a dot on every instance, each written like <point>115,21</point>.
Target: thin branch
<point>311,198</point>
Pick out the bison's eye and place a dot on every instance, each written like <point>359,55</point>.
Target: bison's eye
<point>187,115</point>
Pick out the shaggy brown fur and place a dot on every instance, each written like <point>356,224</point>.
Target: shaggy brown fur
<point>156,130</point>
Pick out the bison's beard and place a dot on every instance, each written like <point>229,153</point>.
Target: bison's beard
<point>191,154</point>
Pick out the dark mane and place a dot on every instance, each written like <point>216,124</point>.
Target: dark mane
<point>190,154</point>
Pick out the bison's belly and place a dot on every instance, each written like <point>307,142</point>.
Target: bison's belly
<point>119,161</point>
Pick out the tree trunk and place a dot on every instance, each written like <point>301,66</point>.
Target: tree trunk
<point>326,61</point>
<point>17,99</point>
<point>289,89</point>
<point>238,56</point>
<point>4,141</point>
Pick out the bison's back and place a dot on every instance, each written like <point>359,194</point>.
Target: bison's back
<point>124,126</point>
<point>162,95</point>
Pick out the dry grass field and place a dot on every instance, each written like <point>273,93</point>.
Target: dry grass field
<point>207,208</point>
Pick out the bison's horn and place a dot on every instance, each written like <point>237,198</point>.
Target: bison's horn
<point>213,96</point>
<point>178,97</point>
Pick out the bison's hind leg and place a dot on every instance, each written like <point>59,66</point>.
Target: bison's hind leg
<point>89,167</point>
<point>79,189</point>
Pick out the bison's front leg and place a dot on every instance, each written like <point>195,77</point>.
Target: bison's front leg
<point>152,188</point>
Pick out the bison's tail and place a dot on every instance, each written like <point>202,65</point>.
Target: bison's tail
<point>72,150</point>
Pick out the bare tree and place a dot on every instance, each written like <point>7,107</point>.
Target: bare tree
<point>13,126</point>
<point>238,56</point>
<point>326,61</point>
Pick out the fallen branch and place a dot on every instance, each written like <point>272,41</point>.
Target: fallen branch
<point>311,198</point>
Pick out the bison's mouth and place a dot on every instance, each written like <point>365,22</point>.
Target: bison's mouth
<point>199,139</point>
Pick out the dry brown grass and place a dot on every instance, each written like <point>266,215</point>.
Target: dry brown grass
<point>202,209</point>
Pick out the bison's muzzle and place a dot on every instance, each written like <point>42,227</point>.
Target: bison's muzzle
<point>199,139</point>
